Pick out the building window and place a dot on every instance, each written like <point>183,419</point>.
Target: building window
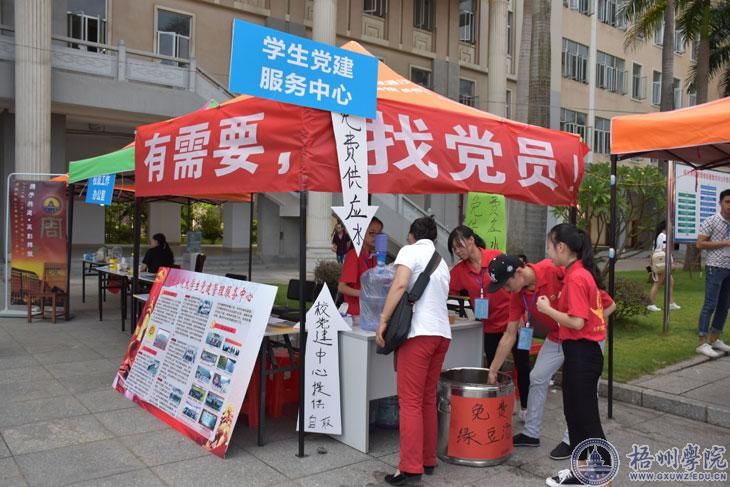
<point>86,21</point>
<point>467,21</point>
<point>575,61</point>
<point>608,13</point>
<point>602,136</point>
<point>421,77</point>
<point>679,41</point>
<point>610,73</point>
<point>694,50</point>
<point>677,85</point>
<point>466,92</point>
<point>583,6</point>
<point>656,89</point>
<point>659,35</point>
<point>692,98</point>
<point>638,82</point>
<point>510,33</point>
<point>379,8</point>
<point>174,31</point>
<point>573,122</point>
<point>508,104</point>
<point>423,14</point>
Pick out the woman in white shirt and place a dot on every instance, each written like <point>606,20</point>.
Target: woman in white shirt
<point>421,356</point>
<point>660,245</point>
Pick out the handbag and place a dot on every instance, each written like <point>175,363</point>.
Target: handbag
<point>399,324</point>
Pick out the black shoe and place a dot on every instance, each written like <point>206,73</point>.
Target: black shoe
<point>428,470</point>
<point>564,477</point>
<point>403,478</point>
<point>561,452</point>
<point>524,440</point>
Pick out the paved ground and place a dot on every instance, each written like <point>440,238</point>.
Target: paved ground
<point>62,424</point>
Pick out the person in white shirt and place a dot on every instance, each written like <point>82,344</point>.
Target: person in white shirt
<point>420,357</point>
<point>657,275</point>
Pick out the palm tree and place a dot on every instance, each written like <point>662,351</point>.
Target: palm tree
<point>716,50</point>
<point>646,17</point>
<point>694,20</point>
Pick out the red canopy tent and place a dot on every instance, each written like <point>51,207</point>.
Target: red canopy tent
<point>419,142</point>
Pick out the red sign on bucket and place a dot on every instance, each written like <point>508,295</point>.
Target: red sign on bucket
<point>480,428</point>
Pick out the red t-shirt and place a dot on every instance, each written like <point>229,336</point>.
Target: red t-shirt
<point>581,298</point>
<point>548,282</point>
<point>606,301</point>
<point>464,277</point>
<point>352,269</point>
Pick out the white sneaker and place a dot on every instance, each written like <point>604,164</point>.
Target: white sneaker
<point>653,307</point>
<point>564,477</point>
<point>674,306</point>
<point>706,349</point>
<point>720,346</point>
<point>523,412</point>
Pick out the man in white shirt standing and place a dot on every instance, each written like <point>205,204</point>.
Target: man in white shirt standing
<point>714,237</point>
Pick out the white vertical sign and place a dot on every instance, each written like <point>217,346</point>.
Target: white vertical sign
<point>352,154</point>
<point>322,405</point>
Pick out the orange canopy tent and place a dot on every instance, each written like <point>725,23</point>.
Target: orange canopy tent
<point>698,136</point>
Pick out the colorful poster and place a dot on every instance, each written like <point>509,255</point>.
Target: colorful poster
<point>480,428</point>
<point>191,357</point>
<point>696,197</point>
<point>486,214</point>
<point>38,236</point>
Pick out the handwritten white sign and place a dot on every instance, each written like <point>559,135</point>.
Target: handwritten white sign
<point>322,405</point>
<point>352,153</point>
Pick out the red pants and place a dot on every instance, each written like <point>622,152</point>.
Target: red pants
<point>419,367</point>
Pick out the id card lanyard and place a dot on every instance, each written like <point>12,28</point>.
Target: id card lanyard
<point>525,338</point>
<point>481,304</point>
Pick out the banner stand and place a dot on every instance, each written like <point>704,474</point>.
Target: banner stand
<point>6,312</point>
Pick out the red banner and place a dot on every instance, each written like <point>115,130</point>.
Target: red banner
<point>38,237</point>
<point>256,145</point>
<point>480,428</point>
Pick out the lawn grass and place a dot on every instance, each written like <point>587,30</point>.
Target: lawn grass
<point>640,347</point>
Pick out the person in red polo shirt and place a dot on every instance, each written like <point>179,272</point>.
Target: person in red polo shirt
<point>579,312</point>
<point>470,274</point>
<point>355,266</point>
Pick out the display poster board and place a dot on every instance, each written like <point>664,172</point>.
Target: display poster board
<point>38,236</point>
<point>486,214</point>
<point>696,195</point>
<point>269,63</point>
<point>192,354</point>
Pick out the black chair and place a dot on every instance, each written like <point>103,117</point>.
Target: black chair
<point>199,262</point>
<point>238,277</point>
<point>292,293</point>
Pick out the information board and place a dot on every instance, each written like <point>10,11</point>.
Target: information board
<point>696,198</point>
<point>194,349</point>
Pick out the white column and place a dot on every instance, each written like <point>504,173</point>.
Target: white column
<point>497,63</point>
<point>592,58</point>
<point>236,225</point>
<point>88,224</point>
<point>324,29</point>
<point>33,86</point>
<point>165,218</point>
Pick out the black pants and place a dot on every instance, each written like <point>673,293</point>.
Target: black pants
<point>521,359</point>
<point>581,370</point>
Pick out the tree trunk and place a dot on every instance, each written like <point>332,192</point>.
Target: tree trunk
<point>523,64</point>
<point>667,100</point>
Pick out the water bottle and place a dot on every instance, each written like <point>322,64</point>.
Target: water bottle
<point>374,286</point>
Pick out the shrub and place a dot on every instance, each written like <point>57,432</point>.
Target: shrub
<point>328,271</point>
<point>211,225</point>
<point>630,297</point>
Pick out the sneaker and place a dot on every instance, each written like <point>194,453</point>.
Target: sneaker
<point>720,346</point>
<point>403,478</point>
<point>523,412</point>
<point>561,452</point>
<point>524,440</point>
<point>653,307</point>
<point>706,349</point>
<point>564,477</point>
<point>674,306</point>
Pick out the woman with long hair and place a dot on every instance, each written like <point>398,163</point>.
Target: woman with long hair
<point>579,313</point>
<point>657,273</point>
<point>159,254</point>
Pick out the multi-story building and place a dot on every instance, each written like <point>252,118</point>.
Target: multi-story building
<point>76,77</point>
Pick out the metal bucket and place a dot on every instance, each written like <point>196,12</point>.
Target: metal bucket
<point>474,418</point>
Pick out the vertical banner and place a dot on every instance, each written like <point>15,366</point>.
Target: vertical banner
<point>352,154</point>
<point>322,405</point>
<point>195,346</point>
<point>696,195</point>
<point>486,214</point>
<point>38,236</point>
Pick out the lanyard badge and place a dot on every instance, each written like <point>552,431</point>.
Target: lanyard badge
<point>524,340</point>
<point>481,304</point>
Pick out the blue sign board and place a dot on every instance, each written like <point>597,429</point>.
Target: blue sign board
<point>268,63</point>
<point>100,189</point>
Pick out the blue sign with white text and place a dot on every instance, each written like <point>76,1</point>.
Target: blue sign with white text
<point>100,189</point>
<point>268,63</point>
